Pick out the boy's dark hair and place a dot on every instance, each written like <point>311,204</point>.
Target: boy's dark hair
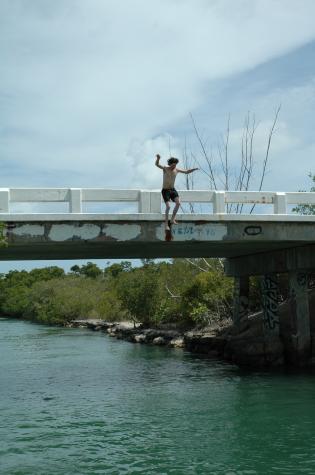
<point>172,160</point>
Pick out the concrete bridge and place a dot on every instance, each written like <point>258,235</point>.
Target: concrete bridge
<point>253,244</point>
<point>76,233</point>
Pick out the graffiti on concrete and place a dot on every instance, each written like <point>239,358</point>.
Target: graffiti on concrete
<point>253,230</point>
<point>299,283</point>
<point>270,303</point>
<point>195,232</point>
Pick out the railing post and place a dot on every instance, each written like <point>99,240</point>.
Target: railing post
<point>75,200</point>
<point>280,203</point>
<point>155,202</point>
<point>218,202</point>
<point>144,201</point>
<point>4,200</point>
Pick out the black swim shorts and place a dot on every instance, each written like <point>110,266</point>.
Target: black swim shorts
<point>169,194</point>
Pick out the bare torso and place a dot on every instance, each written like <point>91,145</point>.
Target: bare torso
<point>169,177</point>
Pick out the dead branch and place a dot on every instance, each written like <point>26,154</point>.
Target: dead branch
<point>171,294</point>
<point>221,174</point>
<point>196,265</point>
<point>207,158</point>
<point>271,132</point>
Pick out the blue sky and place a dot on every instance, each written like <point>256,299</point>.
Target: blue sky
<point>90,91</point>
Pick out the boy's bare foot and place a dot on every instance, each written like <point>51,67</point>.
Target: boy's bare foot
<point>174,221</point>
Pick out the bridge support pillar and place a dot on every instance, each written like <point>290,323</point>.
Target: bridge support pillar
<point>274,349</point>
<point>241,300</point>
<point>299,303</point>
<point>270,293</point>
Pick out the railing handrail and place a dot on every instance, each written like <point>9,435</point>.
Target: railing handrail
<point>149,201</point>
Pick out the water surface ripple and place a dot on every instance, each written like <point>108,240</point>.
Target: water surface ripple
<point>77,402</point>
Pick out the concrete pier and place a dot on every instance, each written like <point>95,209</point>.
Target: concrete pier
<point>241,302</point>
<point>299,297</point>
<point>270,304</point>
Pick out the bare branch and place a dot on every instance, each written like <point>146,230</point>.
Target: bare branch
<point>189,179</point>
<point>200,166</point>
<point>271,132</point>
<point>217,168</point>
<point>195,265</point>
<point>226,148</point>
<point>171,294</point>
<point>204,151</point>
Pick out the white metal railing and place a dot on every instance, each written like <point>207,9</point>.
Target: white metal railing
<point>149,201</point>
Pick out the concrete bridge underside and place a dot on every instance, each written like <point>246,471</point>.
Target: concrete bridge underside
<point>77,239</point>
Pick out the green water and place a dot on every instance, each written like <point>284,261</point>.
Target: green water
<point>78,402</point>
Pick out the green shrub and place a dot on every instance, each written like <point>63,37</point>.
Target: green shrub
<point>208,298</point>
<point>139,292</point>
<point>60,301</point>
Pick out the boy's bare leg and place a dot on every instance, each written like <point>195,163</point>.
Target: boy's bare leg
<point>167,210</point>
<point>176,208</point>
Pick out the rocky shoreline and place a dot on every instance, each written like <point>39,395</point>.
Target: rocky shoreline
<point>135,334</point>
<point>248,348</point>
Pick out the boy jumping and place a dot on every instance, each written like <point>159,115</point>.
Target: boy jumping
<point>168,191</point>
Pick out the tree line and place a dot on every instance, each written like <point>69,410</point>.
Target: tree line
<point>180,291</point>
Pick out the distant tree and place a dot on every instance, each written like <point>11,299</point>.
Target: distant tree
<point>139,293</point>
<point>115,269</point>
<point>208,298</point>
<point>307,209</point>
<point>91,270</point>
<point>88,270</point>
<point>76,269</point>
<point>15,300</point>
<point>47,273</point>
<point>15,288</point>
<point>147,262</point>
<point>62,300</point>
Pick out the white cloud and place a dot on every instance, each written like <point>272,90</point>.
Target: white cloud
<point>142,154</point>
<point>81,81</point>
<point>282,138</point>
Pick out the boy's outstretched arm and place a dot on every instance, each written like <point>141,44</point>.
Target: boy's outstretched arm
<point>157,162</point>
<point>190,170</point>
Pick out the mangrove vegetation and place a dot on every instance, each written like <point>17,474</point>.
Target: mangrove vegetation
<point>182,291</point>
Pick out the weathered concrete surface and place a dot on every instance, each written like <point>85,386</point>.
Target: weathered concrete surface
<point>300,307</point>
<point>127,238</point>
<point>270,304</point>
<point>241,302</point>
<point>288,259</point>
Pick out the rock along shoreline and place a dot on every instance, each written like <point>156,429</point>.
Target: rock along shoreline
<point>246,349</point>
<point>135,334</point>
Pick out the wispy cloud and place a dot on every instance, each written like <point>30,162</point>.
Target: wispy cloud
<point>86,86</point>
